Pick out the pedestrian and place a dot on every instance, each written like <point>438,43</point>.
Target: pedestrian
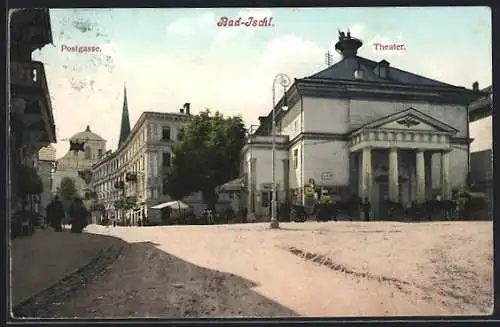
<point>366,209</point>
<point>55,214</point>
<point>79,216</point>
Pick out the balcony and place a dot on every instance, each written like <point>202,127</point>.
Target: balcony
<point>28,82</point>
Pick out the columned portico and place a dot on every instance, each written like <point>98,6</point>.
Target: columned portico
<point>416,136</point>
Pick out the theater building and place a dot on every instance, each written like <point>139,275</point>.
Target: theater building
<point>362,128</point>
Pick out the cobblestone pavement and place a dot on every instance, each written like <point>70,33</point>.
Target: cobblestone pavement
<point>310,269</point>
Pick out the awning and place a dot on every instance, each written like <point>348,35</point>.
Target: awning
<point>234,185</point>
<point>171,204</point>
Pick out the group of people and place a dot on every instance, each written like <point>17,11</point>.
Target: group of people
<point>78,214</point>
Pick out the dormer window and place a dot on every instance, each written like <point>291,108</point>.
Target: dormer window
<point>383,69</point>
<point>358,73</point>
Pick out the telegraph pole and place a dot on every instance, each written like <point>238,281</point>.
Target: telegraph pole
<point>328,58</point>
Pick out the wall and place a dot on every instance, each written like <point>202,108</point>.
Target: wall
<point>326,156</point>
<point>44,171</point>
<point>326,115</point>
<point>482,133</point>
<point>364,111</point>
<point>264,166</point>
<point>295,174</point>
<point>291,123</point>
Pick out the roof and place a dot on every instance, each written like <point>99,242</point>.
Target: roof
<point>343,70</point>
<point>87,135</point>
<point>482,106</point>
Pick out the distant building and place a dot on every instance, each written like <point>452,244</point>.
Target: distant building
<point>134,172</point>
<point>46,168</point>
<point>362,128</point>
<point>481,157</point>
<point>72,162</point>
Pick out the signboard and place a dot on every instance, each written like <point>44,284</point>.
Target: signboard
<point>326,176</point>
<point>269,186</point>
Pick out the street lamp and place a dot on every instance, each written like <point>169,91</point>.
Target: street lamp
<point>250,173</point>
<point>284,81</point>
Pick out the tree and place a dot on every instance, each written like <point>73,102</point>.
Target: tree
<point>206,155</point>
<point>67,188</point>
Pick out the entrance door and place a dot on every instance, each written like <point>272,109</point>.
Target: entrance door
<point>383,193</point>
<point>382,188</point>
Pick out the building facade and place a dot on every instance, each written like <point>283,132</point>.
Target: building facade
<point>46,169</point>
<point>31,119</point>
<point>366,129</point>
<point>481,156</point>
<point>130,180</point>
<point>72,162</point>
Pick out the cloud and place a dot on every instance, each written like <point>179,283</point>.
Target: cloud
<point>226,76</point>
<point>190,26</point>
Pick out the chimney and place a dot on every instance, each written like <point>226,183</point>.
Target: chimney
<point>475,86</point>
<point>181,110</point>
<point>187,108</point>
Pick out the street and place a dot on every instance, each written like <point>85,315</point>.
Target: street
<point>309,269</point>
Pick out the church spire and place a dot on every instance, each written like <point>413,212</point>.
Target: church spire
<point>125,124</point>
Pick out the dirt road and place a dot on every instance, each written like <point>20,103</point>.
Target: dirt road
<point>309,269</point>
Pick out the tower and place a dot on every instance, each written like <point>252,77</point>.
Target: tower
<point>348,46</point>
<point>125,123</point>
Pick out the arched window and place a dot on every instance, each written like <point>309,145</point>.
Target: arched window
<point>88,153</point>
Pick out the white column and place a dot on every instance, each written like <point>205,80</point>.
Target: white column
<point>252,181</point>
<point>366,174</point>
<point>420,167</point>
<point>393,175</point>
<point>445,175</point>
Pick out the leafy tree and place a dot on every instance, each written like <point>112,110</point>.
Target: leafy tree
<point>206,155</point>
<point>29,182</point>
<point>67,188</point>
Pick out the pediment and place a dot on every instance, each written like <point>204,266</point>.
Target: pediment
<point>411,119</point>
<point>408,122</point>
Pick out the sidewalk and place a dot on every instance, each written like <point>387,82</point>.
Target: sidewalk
<point>40,261</point>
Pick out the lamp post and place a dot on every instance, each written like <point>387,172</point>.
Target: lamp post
<point>284,81</point>
<point>250,173</point>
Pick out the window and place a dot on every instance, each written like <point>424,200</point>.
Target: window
<point>167,159</point>
<point>296,158</point>
<point>99,153</point>
<point>88,153</point>
<point>164,186</point>
<point>165,133</point>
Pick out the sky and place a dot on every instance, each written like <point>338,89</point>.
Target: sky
<point>168,57</point>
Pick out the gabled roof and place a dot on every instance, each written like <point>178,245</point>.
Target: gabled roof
<point>344,70</point>
<point>410,118</point>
